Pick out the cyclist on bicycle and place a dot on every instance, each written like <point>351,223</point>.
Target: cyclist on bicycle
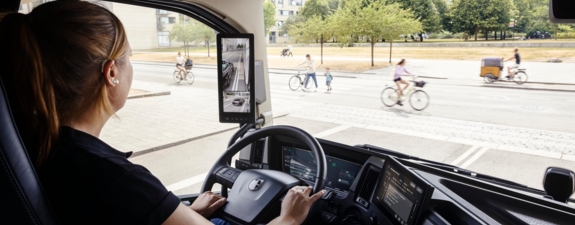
<point>517,62</point>
<point>180,65</point>
<point>400,71</point>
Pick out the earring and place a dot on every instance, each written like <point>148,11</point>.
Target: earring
<point>115,81</point>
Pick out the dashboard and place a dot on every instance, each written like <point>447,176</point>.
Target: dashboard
<point>373,188</point>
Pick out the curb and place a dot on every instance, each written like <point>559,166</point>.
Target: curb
<point>525,88</point>
<point>151,94</point>
<point>176,143</point>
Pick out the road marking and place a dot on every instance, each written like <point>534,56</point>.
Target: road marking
<point>187,182</point>
<point>225,106</point>
<point>229,56</point>
<point>236,77</point>
<point>243,107</point>
<point>464,155</point>
<point>568,157</point>
<point>331,131</point>
<point>473,158</point>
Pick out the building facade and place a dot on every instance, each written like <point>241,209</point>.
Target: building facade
<point>284,9</point>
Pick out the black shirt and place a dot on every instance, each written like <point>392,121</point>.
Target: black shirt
<point>517,59</point>
<point>89,182</point>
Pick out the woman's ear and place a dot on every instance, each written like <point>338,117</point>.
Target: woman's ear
<point>109,73</point>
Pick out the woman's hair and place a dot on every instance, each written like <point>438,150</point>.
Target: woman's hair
<point>52,63</point>
<point>400,62</point>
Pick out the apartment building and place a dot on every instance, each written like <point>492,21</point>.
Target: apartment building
<point>284,9</point>
<point>147,28</point>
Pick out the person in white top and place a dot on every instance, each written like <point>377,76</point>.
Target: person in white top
<point>310,72</point>
<point>289,49</point>
<point>180,65</point>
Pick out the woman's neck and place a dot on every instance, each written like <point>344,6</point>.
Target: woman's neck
<point>90,123</point>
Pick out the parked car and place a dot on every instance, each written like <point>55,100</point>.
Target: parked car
<point>238,101</point>
<point>228,70</point>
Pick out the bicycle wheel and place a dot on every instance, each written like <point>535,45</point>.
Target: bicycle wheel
<point>294,83</point>
<point>488,78</point>
<point>520,77</point>
<point>190,77</point>
<point>389,96</point>
<point>419,100</point>
<point>177,78</point>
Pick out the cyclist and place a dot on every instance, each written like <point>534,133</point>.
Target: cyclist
<point>517,58</point>
<point>309,64</point>
<point>180,65</point>
<point>400,71</point>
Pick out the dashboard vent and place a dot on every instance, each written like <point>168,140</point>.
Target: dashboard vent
<point>258,151</point>
<point>367,186</point>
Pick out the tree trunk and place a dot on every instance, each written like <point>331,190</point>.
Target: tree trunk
<point>208,49</point>
<point>372,44</point>
<point>321,44</point>
<point>390,45</point>
<point>486,35</point>
<point>495,35</point>
<point>476,33</point>
<point>504,35</point>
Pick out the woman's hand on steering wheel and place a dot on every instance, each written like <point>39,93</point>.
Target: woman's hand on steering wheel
<point>296,205</point>
<point>207,203</point>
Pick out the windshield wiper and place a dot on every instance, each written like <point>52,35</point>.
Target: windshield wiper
<point>442,166</point>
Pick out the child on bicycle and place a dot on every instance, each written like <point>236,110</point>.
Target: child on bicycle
<point>328,79</point>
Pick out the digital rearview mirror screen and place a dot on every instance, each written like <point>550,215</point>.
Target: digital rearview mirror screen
<point>235,76</point>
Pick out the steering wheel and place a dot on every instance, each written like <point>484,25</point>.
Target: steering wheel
<point>256,191</point>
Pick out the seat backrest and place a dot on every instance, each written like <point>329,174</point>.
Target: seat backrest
<point>22,200</point>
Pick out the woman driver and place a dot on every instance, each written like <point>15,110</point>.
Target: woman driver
<point>66,70</point>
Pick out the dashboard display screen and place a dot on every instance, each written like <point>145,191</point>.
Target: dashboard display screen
<point>400,194</point>
<point>301,163</point>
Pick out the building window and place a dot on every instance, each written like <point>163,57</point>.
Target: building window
<point>280,23</point>
<point>296,2</point>
<point>172,19</point>
<point>164,20</point>
<point>161,11</point>
<point>285,12</point>
<point>163,39</point>
<point>280,4</point>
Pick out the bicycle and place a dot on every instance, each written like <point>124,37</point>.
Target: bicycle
<point>295,82</point>
<point>519,76</point>
<point>418,99</point>
<point>189,76</point>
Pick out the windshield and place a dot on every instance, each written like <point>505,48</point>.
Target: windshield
<point>495,91</point>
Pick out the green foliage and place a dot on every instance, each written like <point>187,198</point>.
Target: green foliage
<point>269,15</point>
<point>289,23</point>
<point>426,11</point>
<point>192,31</point>
<point>470,16</point>
<point>313,8</point>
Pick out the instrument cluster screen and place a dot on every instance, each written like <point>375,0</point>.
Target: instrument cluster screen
<point>302,164</point>
<point>400,194</point>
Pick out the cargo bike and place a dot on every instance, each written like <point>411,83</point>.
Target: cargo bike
<point>491,71</point>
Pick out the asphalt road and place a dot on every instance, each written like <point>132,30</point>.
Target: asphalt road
<point>182,168</point>
<point>237,81</point>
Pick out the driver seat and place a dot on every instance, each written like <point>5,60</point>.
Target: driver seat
<point>22,199</point>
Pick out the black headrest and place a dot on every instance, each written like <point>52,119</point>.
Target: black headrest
<point>9,5</point>
<point>22,200</point>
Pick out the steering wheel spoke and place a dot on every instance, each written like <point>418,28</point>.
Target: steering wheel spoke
<point>227,176</point>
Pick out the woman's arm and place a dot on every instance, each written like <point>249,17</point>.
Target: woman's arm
<point>205,205</point>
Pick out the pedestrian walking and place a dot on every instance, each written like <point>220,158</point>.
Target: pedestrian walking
<point>310,72</point>
<point>328,79</point>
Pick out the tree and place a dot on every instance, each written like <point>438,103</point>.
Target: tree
<point>425,11</point>
<point>312,30</point>
<point>289,22</point>
<point>470,16</point>
<point>373,21</point>
<point>314,8</point>
<point>183,32</point>
<point>203,33</point>
<point>269,15</point>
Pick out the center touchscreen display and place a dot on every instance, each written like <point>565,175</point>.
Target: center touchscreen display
<point>400,194</point>
<point>302,164</point>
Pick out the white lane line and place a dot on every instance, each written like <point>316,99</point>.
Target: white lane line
<point>474,157</point>
<point>464,155</point>
<point>243,107</point>
<point>225,106</point>
<point>187,182</point>
<point>230,55</point>
<point>331,131</point>
<point>235,86</point>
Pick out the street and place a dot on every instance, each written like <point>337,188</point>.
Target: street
<point>509,133</point>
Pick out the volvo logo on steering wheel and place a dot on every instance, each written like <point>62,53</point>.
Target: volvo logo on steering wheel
<point>255,184</point>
